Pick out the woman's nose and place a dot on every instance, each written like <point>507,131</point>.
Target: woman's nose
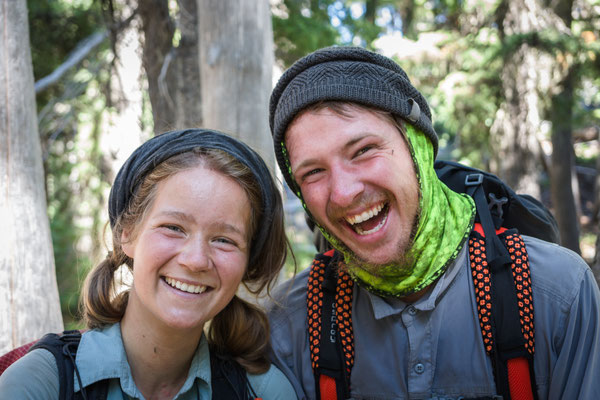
<point>195,255</point>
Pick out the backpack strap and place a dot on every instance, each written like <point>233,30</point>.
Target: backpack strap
<point>64,349</point>
<point>505,314</point>
<point>229,379</point>
<point>329,306</point>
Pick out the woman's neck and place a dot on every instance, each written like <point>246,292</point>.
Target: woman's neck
<point>159,357</point>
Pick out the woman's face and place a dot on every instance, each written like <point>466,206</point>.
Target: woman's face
<point>191,249</point>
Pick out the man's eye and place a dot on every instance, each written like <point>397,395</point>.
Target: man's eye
<point>311,172</point>
<point>364,150</point>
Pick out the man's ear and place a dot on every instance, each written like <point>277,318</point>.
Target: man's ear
<point>127,244</point>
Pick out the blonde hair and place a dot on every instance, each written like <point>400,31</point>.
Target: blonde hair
<point>241,329</point>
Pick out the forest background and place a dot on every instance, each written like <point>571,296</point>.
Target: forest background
<point>514,86</point>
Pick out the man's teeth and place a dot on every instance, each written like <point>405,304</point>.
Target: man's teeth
<point>361,232</point>
<point>184,286</point>
<point>357,219</point>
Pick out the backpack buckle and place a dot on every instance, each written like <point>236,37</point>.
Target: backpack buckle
<point>498,203</point>
<point>473,179</point>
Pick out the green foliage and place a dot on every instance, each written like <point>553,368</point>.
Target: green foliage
<point>300,27</point>
<point>55,28</point>
<point>75,190</point>
<point>69,115</point>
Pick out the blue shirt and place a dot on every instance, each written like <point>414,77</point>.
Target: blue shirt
<point>433,349</point>
<point>101,355</point>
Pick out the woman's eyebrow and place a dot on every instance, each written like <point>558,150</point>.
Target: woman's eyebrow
<point>177,215</point>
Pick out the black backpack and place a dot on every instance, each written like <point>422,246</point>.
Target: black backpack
<point>498,208</point>
<point>228,378</point>
<point>508,209</point>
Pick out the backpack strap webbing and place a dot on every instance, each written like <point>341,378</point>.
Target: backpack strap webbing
<point>508,336</point>
<point>229,379</point>
<point>64,349</point>
<point>330,286</point>
<point>511,351</point>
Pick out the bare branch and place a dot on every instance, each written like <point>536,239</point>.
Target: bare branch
<point>83,48</point>
<point>81,51</point>
<point>586,134</point>
<point>163,87</point>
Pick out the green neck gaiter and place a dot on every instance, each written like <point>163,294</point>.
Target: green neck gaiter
<point>445,221</point>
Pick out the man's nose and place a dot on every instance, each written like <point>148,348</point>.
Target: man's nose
<point>195,255</point>
<point>345,185</point>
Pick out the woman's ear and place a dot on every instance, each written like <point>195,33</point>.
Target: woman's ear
<point>127,244</point>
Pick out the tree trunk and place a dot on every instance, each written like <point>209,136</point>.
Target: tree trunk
<point>564,185</point>
<point>173,72</point>
<point>184,74</point>
<point>236,61</point>
<point>596,262</point>
<point>514,132</point>
<point>158,37</point>
<point>29,302</point>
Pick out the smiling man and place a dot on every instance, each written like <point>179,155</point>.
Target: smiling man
<point>355,142</point>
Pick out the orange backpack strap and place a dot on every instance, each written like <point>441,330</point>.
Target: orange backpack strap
<point>329,305</point>
<point>510,344</point>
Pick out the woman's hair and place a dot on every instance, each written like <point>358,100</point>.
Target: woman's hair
<point>240,330</point>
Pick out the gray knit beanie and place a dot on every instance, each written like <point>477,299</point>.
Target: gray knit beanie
<point>350,74</point>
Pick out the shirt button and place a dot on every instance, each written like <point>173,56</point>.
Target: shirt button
<point>419,368</point>
<point>412,311</point>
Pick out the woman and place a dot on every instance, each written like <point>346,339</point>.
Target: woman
<point>193,213</point>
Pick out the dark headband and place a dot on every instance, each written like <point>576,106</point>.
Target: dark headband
<point>158,149</point>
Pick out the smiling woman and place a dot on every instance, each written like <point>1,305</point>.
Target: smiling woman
<point>193,214</point>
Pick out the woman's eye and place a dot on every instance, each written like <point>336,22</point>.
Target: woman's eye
<point>226,241</point>
<point>173,228</point>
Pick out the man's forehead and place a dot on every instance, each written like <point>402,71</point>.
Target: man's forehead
<point>344,110</point>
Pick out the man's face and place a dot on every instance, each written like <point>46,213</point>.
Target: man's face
<point>357,179</point>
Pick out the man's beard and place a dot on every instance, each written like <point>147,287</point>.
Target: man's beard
<point>402,261</point>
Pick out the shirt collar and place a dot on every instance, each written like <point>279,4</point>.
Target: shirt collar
<point>95,363</point>
<point>387,306</point>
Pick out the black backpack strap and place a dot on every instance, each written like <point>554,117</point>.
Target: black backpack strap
<point>505,313</point>
<point>331,340</point>
<point>229,379</point>
<point>64,349</point>
<point>96,391</point>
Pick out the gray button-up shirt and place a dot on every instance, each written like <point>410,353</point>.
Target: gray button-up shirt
<point>434,349</point>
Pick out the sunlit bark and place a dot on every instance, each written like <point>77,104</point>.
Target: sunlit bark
<point>29,303</point>
<point>236,61</point>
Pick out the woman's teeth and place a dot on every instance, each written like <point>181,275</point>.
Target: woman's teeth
<point>184,287</point>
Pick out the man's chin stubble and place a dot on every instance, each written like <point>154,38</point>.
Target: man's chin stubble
<point>400,261</point>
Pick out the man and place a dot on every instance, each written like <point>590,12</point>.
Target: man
<point>355,142</point>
